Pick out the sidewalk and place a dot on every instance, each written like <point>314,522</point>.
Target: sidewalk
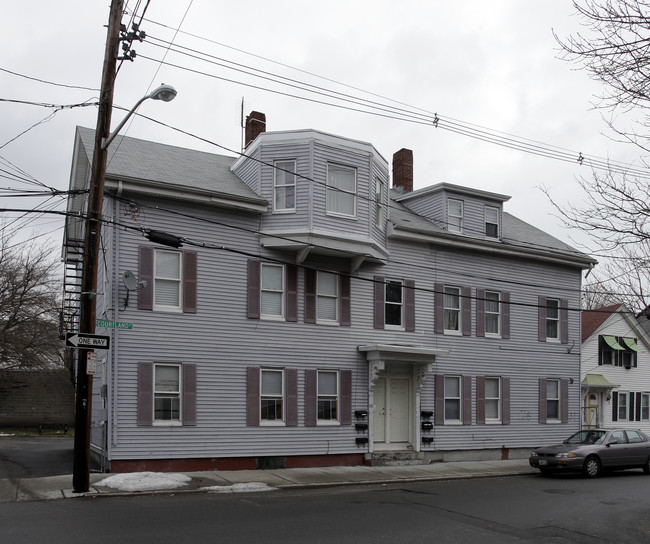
<point>59,487</point>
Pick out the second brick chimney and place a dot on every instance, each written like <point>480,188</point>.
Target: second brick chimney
<point>255,125</point>
<point>403,170</point>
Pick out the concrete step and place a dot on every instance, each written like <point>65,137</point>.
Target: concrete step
<point>396,458</point>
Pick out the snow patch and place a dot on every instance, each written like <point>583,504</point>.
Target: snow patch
<point>145,481</point>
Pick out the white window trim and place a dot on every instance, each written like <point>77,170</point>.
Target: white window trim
<point>499,399</point>
<point>353,194</point>
<point>336,298</point>
<point>498,236</point>
<point>273,422</point>
<point>498,314</point>
<point>166,422</point>
<point>453,332</point>
<point>330,422</point>
<point>276,185</point>
<point>380,212</point>
<point>388,326</point>
<point>645,396</point>
<point>458,421</point>
<point>626,395</point>
<point>552,339</point>
<point>162,307</point>
<point>557,399</point>
<point>461,216</point>
<point>282,291</point>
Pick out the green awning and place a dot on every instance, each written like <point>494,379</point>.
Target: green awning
<point>631,343</point>
<point>612,343</point>
<point>597,381</point>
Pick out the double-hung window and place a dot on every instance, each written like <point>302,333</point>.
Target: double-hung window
<point>623,405</point>
<point>492,399</point>
<point>167,280</point>
<point>552,319</point>
<point>491,222</point>
<point>645,406</point>
<point>455,215</point>
<point>451,315</point>
<point>284,186</point>
<point>341,190</point>
<point>167,393</point>
<point>380,220</point>
<point>553,400</point>
<point>327,297</point>
<point>492,313</point>
<point>272,291</point>
<point>328,396</point>
<point>271,396</point>
<point>394,303</point>
<point>453,404</point>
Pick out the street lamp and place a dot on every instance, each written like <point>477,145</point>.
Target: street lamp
<point>92,236</point>
<point>166,93</point>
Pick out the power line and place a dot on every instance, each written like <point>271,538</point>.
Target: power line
<point>48,82</point>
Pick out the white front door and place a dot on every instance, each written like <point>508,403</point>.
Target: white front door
<point>392,416</point>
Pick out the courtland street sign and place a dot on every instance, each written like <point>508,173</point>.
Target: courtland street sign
<point>125,325</point>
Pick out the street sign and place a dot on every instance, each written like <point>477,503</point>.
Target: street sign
<point>91,363</point>
<point>86,341</point>
<point>114,324</point>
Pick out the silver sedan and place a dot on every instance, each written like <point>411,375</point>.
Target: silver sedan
<point>593,450</point>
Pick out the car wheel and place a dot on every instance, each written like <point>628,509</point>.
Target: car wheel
<point>646,466</point>
<point>591,468</point>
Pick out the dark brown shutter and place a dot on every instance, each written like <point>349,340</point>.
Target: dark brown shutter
<point>632,398</point>
<point>480,398</point>
<point>145,393</point>
<point>505,401</point>
<point>466,310</point>
<point>379,302</point>
<point>189,394</point>
<point>438,308</point>
<point>615,406</point>
<point>145,278</point>
<point>252,396</point>
<point>345,318</point>
<point>190,273</point>
<point>439,414</point>
<point>345,379</point>
<point>541,320</point>
<point>467,400</point>
<point>311,377</point>
<point>291,377</point>
<point>480,314</point>
<point>409,306</point>
<point>292,292</point>
<point>542,400</point>
<point>564,321</point>
<point>564,400</point>
<point>310,295</point>
<point>253,289</point>
<point>638,406</point>
<point>505,314</point>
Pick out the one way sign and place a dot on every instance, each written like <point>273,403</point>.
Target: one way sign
<point>86,340</point>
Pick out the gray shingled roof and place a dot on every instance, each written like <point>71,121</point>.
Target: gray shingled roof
<point>517,234</point>
<point>167,165</point>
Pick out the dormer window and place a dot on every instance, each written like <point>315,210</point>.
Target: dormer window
<point>455,215</point>
<point>284,186</point>
<point>341,190</point>
<point>491,222</point>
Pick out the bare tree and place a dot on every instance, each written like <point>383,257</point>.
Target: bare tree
<point>614,48</point>
<point>29,337</point>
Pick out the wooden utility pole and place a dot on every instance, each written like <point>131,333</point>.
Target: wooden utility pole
<point>83,400</point>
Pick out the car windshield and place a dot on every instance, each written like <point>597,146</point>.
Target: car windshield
<point>586,437</point>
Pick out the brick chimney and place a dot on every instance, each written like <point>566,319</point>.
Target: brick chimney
<point>255,125</point>
<point>403,170</point>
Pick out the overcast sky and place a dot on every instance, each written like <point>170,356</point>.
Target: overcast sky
<point>489,64</point>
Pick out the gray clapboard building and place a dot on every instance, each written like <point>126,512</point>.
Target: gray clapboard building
<point>292,308</point>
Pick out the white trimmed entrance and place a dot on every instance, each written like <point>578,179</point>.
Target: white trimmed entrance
<point>392,414</point>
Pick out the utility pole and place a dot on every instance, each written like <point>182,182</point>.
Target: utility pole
<point>88,301</point>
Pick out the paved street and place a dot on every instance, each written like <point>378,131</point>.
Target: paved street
<point>566,509</point>
<point>35,457</point>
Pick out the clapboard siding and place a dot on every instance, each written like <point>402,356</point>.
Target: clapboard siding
<point>222,342</point>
